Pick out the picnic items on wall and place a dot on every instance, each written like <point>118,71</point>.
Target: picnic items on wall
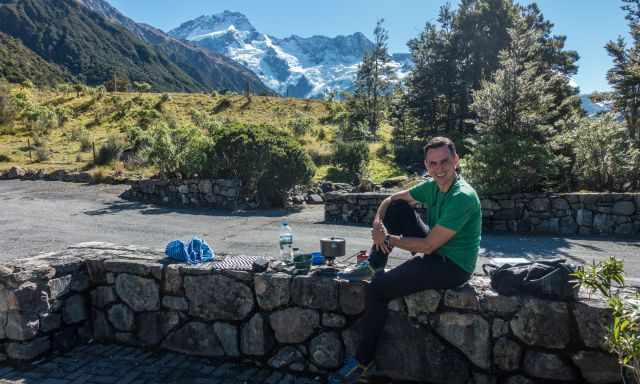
<point>332,247</point>
<point>194,252</point>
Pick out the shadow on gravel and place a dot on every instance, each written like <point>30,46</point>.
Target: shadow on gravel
<point>116,207</point>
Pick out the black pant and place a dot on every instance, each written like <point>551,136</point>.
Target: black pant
<point>417,274</point>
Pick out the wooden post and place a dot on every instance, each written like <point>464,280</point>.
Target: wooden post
<point>29,148</point>
<point>93,145</point>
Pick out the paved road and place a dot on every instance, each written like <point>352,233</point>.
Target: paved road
<point>42,216</point>
<point>100,363</point>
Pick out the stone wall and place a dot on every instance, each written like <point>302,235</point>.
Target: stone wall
<point>567,213</point>
<point>217,193</point>
<point>136,297</point>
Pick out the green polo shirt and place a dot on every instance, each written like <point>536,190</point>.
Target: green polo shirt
<point>458,209</point>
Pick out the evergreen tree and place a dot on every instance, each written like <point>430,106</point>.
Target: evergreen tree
<point>454,55</point>
<point>373,82</point>
<point>624,77</point>
<point>517,116</point>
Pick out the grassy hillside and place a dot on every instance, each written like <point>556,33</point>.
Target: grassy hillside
<point>18,64</point>
<point>88,46</point>
<point>94,116</point>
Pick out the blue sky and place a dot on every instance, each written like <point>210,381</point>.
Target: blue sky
<point>588,24</point>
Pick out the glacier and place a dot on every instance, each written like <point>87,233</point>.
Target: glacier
<point>304,67</point>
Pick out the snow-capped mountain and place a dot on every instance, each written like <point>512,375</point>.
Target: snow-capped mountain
<point>292,66</point>
<point>592,108</point>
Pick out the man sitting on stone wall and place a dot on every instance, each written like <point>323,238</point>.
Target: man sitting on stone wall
<point>449,251</point>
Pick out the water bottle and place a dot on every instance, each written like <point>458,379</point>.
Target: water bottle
<point>286,242</point>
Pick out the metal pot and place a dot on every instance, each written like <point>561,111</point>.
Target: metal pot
<point>332,247</point>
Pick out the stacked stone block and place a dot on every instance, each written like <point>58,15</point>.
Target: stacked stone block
<point>217,193</point>
<point>43,306</point>
<point>135,297</point>
<point>565,214</point>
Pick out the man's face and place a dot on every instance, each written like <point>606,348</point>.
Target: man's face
<point>441,165</point>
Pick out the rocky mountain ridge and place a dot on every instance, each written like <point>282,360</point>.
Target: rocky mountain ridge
<point>292,66</point>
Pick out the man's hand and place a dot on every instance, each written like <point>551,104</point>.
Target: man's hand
<point>378,234</point>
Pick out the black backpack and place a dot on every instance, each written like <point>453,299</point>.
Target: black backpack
<point>547,278</point>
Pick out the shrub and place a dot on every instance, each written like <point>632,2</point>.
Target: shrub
<point>604,160</point>
<point>321,134</point>
<point>176,150</point>
<point>110,150</point>
<point>408,153</point>
<point>8,107</point>
<point>141,86</point>
<point>85,141</point>
<point>4,158</point>
<point>147,116</point>
<point>159,106</point>
<point>622,334</point>
<point>222,105</point>
<point>41,120</point>
<point>137,138</point>
<point>508,165</point>
<point>42,152</point>
<point>320,157</point>
<point>351,156</point>
<point>267,160</point>
<point>83,137</point>
<point>301,125</point>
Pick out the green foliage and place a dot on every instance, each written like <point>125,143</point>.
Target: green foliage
<point>42,151</point>
<point>353,131</point>
<point>68,34</point>
<point>453,56</point>
<point>351,156</point>
<point>165,98</point>
<point>624,76</point>
<point>269,161</point>
<point>336,111</point>
<point>141,86</point>
<point>604,158</point>
<point>4,158</point>
<point>83,137</point>
<point>516,114</point>
<point>8,107</point>
<point>222,105</point>
<point>178,150</point>
<point>18,64</point>
<point>110,150</point>
<point>147,117</point>
<point>139,139</point>
<point>622,337</point>
<point>599,276</point>
<point>205,122</point>
<point>41,119</point>
<point>301,125</point>
<point>320,158</point>
<point>372,85</point>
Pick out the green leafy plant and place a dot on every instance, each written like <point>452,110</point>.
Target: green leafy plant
<point>623,336</point>
<point>177,150</point>
<point>110,150</point>
<point>268,161</point>
<point>352,157</point>
<point>300,125</point>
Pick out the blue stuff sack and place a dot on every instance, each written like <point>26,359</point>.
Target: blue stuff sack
<point>194,252</point>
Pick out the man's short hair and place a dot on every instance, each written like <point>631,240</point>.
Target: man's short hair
<point>438,142</point>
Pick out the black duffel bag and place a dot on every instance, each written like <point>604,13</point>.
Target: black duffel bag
<point>547,278</point>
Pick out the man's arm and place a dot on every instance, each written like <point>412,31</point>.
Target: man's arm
<point>438,237</point>
<point>382,208</point>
